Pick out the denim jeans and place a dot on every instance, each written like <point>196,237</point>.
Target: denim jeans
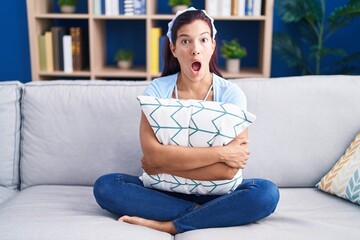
<point>123,194</point>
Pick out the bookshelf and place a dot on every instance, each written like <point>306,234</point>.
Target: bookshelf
<point>102,33</point>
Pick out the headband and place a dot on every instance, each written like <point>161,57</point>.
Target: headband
<point>170,24</point>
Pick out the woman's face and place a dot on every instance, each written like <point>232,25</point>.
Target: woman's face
<point>193,49</point>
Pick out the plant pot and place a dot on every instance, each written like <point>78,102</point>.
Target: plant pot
<point>67,9</point>
<point>123,64</point>
<point>179,8</point>
<point>233,65</point>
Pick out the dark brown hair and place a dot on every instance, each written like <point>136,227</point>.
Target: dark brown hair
<point>172,65</point>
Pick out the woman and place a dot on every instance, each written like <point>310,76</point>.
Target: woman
<point>190,72</point>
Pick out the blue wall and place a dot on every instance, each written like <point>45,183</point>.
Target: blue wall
<point>15,53</point>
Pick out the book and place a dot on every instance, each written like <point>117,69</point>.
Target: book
<point>108,7</point>
<point>67,53</point>
<point>97,7</point>
<point>129,7</point>
<point>155,33</point>
<point>77,48</point>
<point>139,7</point>
<point>212,7</point>
<point>224,8</point>
<point>234,7</point>
<point>49,51</point>
<point>257,7</point>
<point>42,53</point>
<point>241,7</point>
<point>115,7</point>
<point>57,35</point>
<point>249,7</point>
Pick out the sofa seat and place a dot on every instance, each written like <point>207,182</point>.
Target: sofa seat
<point>71,211</point>
<point>302,213</point>
<point>65,212</point>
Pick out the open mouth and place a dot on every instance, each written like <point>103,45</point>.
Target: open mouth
<point>196,66</point>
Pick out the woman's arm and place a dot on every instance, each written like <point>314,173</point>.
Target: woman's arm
<point>160,158</point>
<point>217,171</point>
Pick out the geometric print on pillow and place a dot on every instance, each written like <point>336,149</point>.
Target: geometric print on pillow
<point>193,123</point>
<point>343,180</point>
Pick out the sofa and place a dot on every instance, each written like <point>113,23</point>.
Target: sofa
<point>58,137</point>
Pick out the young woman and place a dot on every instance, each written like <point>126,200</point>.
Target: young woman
<point>190,73</point>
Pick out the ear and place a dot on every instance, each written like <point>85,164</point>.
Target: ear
<point>172,48</point>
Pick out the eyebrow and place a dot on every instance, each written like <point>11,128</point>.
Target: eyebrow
<point>185,35</point>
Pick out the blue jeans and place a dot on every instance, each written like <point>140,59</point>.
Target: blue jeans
<point>123,194</point>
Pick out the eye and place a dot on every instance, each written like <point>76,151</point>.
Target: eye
<point>204,40</point>
<point>185,41</point>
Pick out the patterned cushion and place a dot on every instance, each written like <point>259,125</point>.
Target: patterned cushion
<point>197,124</point>
<point>343,180</point>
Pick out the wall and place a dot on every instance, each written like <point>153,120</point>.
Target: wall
<point>15,54</point>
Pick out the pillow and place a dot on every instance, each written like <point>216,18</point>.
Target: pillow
<point>197,124</point>
<point>343,180</point>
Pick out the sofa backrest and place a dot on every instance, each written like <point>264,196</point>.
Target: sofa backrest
<point>303,126</point>
<point>75,131</point>
<point>10,95</point>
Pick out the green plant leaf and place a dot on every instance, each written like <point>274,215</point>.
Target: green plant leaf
<point>292,11</point>
<point>232,49</point>
<point>344,14</point>
<point>323,51</point>
<point>289,50</point>
<point>179,2</point>
<point>344,65</point>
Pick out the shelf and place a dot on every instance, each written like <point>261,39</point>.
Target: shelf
<point>61,16</point>
<point>65,74</point>
<point>105,34</point>
<point>120,17</point>
<point>245,18</point>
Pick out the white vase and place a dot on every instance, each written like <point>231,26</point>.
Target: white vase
<point>67,9</point>
<point>123,64</point>
<point>233,65</point>
<point>179,8</point>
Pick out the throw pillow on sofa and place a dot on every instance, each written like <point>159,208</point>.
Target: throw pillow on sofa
<point>343,180</point>
<point>197,124</point>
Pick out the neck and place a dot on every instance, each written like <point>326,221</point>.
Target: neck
<point>191,89</point>
<point>194,86</point>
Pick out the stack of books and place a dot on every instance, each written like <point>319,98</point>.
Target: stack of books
<point>119,7</point>
<point>60,50</point>
<point>226,8</point>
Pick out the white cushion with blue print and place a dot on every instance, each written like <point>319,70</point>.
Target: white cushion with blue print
<point>193,123</point>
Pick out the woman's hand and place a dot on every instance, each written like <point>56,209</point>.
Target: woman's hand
<point>236,153</point>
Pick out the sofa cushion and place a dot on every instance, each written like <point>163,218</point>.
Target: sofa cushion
<point>197,124</point>
<point>6,194</point>
<point>303,126</point>
<point>75,131</point>
<point>302,213</point>
<point>65,212</point>
<point>10,95</point>
<point>343,180</point>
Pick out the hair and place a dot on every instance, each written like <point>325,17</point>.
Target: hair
<point>171,64</point>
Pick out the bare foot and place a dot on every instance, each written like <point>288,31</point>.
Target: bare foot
<point>157,225</point>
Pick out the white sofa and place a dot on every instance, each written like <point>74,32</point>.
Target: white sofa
<point>57,138</point>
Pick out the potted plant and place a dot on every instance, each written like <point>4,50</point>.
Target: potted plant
<point>232,51</point>
<point>124,58</point>
<point>67,6</point>
<point>179,5</point>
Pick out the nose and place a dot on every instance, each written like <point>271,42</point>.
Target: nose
<point>195,52</point>
<point>195,49</point>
